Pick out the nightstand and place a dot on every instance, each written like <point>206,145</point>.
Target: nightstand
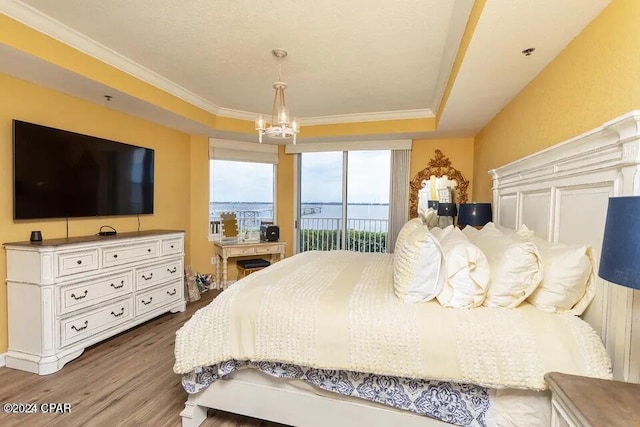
<point>582,401</point>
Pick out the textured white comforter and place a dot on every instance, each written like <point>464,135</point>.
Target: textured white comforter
<point>337,310</point>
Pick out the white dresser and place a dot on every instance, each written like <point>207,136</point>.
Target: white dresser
<point>67,294</point>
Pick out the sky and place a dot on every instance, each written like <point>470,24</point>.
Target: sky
<point>368,178</point>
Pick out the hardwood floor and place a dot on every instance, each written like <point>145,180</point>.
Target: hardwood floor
<point>127,380</point>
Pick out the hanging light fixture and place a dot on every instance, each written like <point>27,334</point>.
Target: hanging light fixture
<point>280,126</point>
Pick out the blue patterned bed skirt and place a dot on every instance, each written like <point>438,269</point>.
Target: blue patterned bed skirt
<point>460,404</point>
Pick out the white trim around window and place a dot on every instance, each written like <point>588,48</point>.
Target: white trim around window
<point>226,149</point>
<point>314,147</point>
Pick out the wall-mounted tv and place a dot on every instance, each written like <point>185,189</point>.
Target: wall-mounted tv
<point>62,174</point>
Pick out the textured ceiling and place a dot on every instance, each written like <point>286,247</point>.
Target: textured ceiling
<point>349,60</point>
<point>345,57</point>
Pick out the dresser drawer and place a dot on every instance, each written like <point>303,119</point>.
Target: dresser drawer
<point>172,246</point>
<point>88,324</point>
<point>152,275</point>
<point>74,262</point>
<point>122,254</point>
<point>164,295</point>
<point>80,295</point>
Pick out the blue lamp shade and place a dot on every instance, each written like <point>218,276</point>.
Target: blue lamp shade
<point>475,214</point>
<point>620,260</point>
<point>447,209</point>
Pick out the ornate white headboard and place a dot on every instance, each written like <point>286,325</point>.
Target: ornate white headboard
<point>562,193</point>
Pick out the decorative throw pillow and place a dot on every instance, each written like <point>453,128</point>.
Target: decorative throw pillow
<point>406,229</point>
<point>516,267</point>
<point>430,219</point>
<point>568,281</point>
<point>468,272</point>
<point>418,267</point>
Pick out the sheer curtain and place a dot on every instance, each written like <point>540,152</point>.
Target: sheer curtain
<point>399,197</point>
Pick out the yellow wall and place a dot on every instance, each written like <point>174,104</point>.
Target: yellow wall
<point>200,249</point>
<point>25,101</point>
<point>458,150</point>
<point>593,80</point>
<point>285,197</point>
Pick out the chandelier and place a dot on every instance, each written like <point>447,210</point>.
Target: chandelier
<point>280,126</point>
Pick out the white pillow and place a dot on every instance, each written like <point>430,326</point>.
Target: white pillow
<point>418,267</point>
<point>568,281</point>
<point>523,233</point>
<point>470,232</point>
<point>468,272</point>
<point>516,267</point>
<point>440,233</point>
<point>406,229</point>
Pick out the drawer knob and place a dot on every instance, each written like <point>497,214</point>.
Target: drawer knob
<point>149,250</point>
<point>115,255</point>
<point>148,277</point>
<point>172,270</point>
<point>118,314</point>
<point>79,262</point>
<point>147,302</point>
<point>172,293</point>
<point>118,286</point>
<point>171,246</point>
<point>78,329</point>
<point>80,296</point>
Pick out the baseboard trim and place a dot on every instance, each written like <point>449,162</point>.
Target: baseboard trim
<point>3,360</point>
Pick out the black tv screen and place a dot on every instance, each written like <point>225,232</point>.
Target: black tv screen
<point>62,174</point>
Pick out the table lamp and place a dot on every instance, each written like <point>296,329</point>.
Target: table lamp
<point>620,259</point>
<point>474,214</point>
<point>447,210</point>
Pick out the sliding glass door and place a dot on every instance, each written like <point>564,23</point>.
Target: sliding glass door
<point>344,200</point>
<point>320,214</point>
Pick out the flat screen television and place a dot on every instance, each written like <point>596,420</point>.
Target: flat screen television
<point>62,174</point>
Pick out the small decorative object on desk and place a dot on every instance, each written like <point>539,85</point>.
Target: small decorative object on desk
<point>203,282</point>
<point>190,283</point>
<point>229,229</point>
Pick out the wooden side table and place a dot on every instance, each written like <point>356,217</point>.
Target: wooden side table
<point>581,401</point>
<point>226,250</point>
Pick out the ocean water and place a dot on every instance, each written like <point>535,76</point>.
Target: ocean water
<point>323,216</point>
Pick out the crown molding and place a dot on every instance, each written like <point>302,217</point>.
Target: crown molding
<point>237,114</point>
<point>45,24</point>
<point>341,118</point>
<point>367,117</point>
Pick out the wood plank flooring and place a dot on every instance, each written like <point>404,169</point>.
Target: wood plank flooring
<point>127,380</point>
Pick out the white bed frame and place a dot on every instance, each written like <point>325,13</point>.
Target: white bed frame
<point>562,193</point>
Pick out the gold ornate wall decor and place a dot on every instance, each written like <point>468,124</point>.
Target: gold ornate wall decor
<point>438,166</point>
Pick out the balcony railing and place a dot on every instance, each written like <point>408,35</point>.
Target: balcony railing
<point>248,220</point>
<point>325,234</point>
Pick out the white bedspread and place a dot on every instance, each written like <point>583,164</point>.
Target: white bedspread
<point>337,310</point>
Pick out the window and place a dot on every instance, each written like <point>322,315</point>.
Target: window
<point>344,200</point>
<point>242,180</point>
<point>245,188</point>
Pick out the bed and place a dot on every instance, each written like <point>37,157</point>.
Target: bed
<point>257,349</point>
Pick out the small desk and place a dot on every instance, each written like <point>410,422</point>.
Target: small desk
<point>226,250</point>
<point>581,402</point>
